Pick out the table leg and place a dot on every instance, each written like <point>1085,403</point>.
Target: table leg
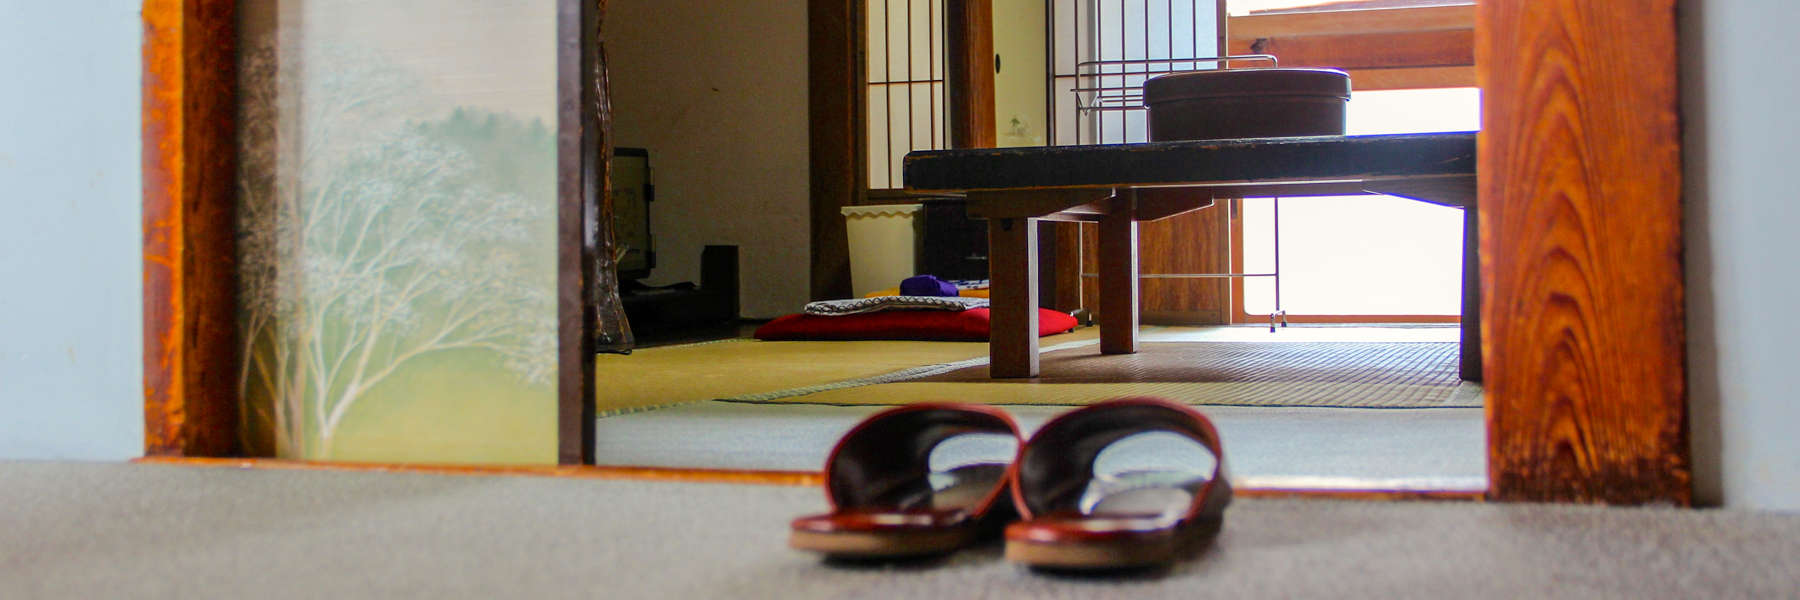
<point>1471,297</point>
<point>1012,267</point>
<point>1119,278</point>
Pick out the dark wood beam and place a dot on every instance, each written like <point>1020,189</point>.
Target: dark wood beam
<point>584,161</point>
<point>1166,164</point>
<point>969,56</point>
<point>837,109</point>
<point>189,210</point>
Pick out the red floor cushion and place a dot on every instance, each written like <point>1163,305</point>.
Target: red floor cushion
<point>944,325</point>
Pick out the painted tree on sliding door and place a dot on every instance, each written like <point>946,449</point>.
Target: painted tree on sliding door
<point>397,235</point>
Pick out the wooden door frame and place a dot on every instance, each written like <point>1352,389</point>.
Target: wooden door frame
<point>191,396</point>
<point>190,229</point>
<point>1580,236</point>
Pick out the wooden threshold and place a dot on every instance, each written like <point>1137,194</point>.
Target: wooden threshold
<point>795,478</point>
<point>746,477</point>
<point>1371,494</point>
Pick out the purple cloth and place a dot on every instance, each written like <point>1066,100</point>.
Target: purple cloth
<point>927,285</point>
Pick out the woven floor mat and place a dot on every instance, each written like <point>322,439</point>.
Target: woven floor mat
<point>1326,374</point>
<point>1426,363</point>
<point>752,369</point>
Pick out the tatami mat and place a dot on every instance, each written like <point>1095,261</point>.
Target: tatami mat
<point>1278,393</point>
<point>1267,447</point>
<point>1235,366</point>
<point>746,368</point>
<point>1330,374</point>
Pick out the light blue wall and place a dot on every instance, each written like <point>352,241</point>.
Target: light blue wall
<point>1742,150</point>
<point>70,299</point>
<point>70,333</point>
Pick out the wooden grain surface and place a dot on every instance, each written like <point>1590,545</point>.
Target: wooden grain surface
<point>1581,245</point>
<point>1249,27</point>
<point>1442,48</point>
<point>190,257</point>
<point>1194,242</point>
<point>1118,291</point>
<point>1388,49</point>
<point>1417,78</point>
<point>1067,290</point>
<point>969,60</point>
<point>1013,321</point>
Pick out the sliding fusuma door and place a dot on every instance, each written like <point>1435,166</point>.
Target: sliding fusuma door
<point>397,230</point>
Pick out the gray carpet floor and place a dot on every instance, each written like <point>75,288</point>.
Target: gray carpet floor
<point>144,531</point>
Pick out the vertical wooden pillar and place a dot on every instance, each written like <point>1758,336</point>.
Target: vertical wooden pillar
<point>1470,350</point>
<point>969,57</point>
<point>1119,277</point>
<point>190,255</point>
<point>837,110</point>
<point>1580,200</point>
<point>1013,335</point>
<point>583,158</point>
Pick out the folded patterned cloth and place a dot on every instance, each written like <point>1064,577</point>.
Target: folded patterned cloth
<point>880,303</point>
<point>970,284</point>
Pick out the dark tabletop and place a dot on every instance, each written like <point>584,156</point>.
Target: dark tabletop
<point>1292,159</point>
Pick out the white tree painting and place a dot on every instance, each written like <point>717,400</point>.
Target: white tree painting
<point>371,239</point>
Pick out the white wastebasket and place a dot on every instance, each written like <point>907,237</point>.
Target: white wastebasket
<point>884,244</point>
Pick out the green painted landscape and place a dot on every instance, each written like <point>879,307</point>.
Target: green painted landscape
<point>398,269</point>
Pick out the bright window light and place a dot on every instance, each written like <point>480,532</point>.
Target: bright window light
<point>1366,255</point>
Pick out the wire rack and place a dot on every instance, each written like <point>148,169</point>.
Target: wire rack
<point>1118,86</point>
<point>1094,92</point>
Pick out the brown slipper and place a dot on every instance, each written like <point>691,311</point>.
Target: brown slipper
<point>1075,519</point>
<point>887,503</point>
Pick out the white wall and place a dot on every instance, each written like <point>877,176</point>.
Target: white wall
<point>1743,239</point>
<point>718,92</point>
<point>70,306</point>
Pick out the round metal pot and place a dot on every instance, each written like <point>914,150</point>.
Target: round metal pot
<point>1247,103</point>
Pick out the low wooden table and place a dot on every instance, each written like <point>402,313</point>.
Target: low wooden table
<point>1119,185</point>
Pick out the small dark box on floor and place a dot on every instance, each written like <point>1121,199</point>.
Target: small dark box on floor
<point>657,311</point>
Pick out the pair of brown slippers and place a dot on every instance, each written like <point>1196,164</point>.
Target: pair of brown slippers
<point>1056,512</point>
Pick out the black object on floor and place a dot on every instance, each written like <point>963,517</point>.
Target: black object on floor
<point>673,310</point>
